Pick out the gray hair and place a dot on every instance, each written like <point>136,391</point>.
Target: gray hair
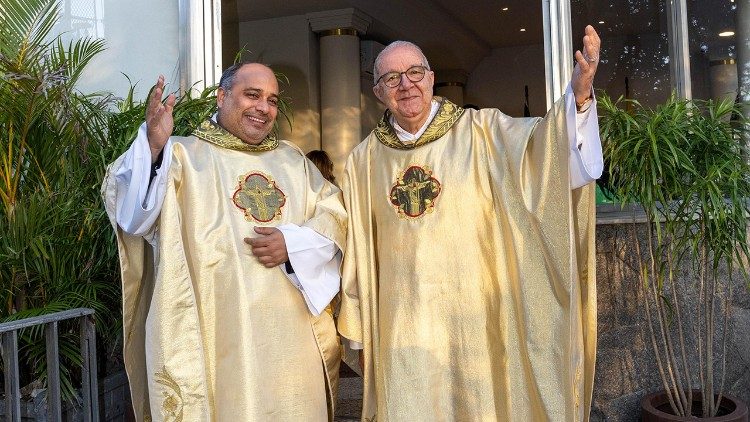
<point>396,44</point>
<point>227,77</point>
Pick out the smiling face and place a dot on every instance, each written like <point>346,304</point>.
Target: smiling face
<point>410,101</point>
<point>248,108</point>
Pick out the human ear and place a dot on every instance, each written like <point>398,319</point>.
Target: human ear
<point>378,91</point>
<point>220,94</point>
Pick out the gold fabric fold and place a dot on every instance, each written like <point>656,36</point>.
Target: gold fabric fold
<point>469,274</point>
<point>210,333</point>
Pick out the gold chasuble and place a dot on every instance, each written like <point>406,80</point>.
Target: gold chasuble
<point>210,334</point>
<point>469,274</point>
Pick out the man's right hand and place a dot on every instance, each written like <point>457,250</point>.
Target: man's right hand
<point>159,120</point>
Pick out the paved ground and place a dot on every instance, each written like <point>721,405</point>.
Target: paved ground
<point>349,407</point>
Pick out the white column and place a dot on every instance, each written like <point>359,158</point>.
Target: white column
<point>200,43</point>
<point>340,106</point>
<point>679,53</point>
<point>558,47</point>
<point>450,84</point>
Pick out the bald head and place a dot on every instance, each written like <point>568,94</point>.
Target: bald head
<point>391,48</point>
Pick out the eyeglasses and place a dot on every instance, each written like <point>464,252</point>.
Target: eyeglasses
<point>393,79</point>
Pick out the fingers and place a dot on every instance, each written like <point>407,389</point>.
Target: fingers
<point>269,261</point>
<point>270,248</point>
<point>155,109</point>
<point>583,64</point>
<point>154,101</point>
<point>269,235</point>
<point>591,45</point>
<point>591,32</point>
<point>169,105</point>
<point>265,230</point>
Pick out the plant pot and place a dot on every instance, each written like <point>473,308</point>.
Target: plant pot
<point>655,408</point>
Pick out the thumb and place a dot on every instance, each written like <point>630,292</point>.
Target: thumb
<point>264,230</point>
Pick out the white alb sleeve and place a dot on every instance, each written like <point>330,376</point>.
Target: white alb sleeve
<point>138,201</point>
<point>585,159</point>
<point>316,261</point>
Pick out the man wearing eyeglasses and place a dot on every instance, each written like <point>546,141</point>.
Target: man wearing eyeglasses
<point>469,276</point>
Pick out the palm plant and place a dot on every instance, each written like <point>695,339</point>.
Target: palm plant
<point>54,254</point>
<point>56,251</point>
<point>685,164</point>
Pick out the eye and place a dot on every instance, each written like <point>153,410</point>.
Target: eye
<point>414,71</point>
<point>273,102</point>
<point>252,95</point>
<point>392,77</point>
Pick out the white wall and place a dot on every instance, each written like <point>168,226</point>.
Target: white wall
<point>498,80</point>
<point>289,46</point>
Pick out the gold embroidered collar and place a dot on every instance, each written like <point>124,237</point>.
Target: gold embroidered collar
<point>217,135</point>
<point>448,113</point>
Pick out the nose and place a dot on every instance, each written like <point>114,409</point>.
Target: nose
<point>405,82</point>
<point>262,106</point>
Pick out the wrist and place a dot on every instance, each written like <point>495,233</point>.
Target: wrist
<point>584,105</point>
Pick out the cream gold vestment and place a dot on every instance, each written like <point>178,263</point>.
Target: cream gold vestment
<point>209,332</point>
<point>469,275</point>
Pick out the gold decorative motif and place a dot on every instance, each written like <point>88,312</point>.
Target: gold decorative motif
<point>173,402</point>
<point>447,115</point>
<point>415,192</point>
<point>217,135</point>
<point>259,197</point>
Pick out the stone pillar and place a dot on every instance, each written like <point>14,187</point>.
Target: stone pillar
<point>340,107</point>
<point>450,84</point>
<point>723,77</point>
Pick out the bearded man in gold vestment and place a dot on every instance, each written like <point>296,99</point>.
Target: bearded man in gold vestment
<point>230,245</point>
<point>469,276</point>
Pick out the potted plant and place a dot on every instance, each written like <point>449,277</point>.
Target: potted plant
<point>685,163</point>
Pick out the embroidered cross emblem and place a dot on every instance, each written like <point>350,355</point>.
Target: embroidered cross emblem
<point>259,197</point>
<point>415,192</point>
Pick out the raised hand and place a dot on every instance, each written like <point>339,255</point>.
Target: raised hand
<point>270,248</point>
<point>159,120</point>
<point>587,62</point>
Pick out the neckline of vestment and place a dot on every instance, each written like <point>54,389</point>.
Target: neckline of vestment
<point>447,115</point>
<point>211,132</point>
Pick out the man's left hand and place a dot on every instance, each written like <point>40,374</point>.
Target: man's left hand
<point>587,61</point>
<point>270,247</point>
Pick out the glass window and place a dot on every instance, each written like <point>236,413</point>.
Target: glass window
<point>711,40</point>
<point>142,41</point>
<point>635,51</point>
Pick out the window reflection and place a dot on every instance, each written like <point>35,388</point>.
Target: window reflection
<point>81,18</point>
<point>634,58</point>
<point>713,65</point>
